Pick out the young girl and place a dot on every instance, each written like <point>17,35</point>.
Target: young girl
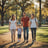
<point>19,29</point>
<point>12,27</point>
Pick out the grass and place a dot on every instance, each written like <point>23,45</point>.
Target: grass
<point>42,33</point>
<point>4,29</point>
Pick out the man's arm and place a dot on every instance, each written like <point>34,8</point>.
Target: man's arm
<point>21,21</point>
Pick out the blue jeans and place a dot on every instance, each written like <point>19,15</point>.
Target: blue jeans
<point>26,30</point>
<point>33,30</point>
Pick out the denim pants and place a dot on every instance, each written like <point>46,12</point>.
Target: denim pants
<point>33,30</point>
<point>26,30</point>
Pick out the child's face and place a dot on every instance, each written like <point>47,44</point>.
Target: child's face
<point>19,26</point>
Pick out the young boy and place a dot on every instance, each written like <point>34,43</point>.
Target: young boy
<point>19,29</point>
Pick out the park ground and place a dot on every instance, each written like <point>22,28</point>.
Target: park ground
<point>42,38</point>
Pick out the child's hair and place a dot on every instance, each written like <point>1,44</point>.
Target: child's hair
<point>19,24</point>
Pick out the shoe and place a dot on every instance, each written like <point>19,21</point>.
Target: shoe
<point>26,41</point>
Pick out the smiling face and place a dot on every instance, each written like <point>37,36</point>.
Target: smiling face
<point>32,16</point>
<point>24,14</point>
<point>13,17</point>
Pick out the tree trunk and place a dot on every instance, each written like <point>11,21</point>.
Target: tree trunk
<point>22,10</point>
<point>2,19</point>
<point>40,17</point>
<point>2,16</point>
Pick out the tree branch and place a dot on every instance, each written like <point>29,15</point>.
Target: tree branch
<point>8,7</point>
<point>3,2</point>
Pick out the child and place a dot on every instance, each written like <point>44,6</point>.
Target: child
<point>19,29</point>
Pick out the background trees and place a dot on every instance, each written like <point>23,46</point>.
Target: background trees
<point>9,7</point>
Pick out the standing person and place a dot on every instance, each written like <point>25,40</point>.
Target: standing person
<point>25,22</point>
<point>19,29</point>
<point>33,25</point>
<point>12,27</point>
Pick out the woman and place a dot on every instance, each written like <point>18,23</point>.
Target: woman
<point>33,25</point>
<point>12,27</point>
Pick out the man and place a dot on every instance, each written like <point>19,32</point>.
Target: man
<point>25,22</point>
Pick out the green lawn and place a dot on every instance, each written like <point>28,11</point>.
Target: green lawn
<point>42,33</point>
<point>4,29</point>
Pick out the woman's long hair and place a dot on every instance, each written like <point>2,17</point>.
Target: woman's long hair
<point>33,15</point>
<point>12,17</point>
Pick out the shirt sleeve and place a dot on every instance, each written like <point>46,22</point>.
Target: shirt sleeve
<point>30,20</point>
<point>21,19</point>
<point>15,20</point>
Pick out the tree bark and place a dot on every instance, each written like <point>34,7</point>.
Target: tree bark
<point>2,16</point>
<point>2,19</point>
<point>40,17</point>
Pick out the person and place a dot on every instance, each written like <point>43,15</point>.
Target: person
<point>19,30</point>
<point>12,27</point>
<point>25,23</point>
<point>33,25</point>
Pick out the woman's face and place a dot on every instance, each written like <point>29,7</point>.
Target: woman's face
<point>13,17</point>
<point>32,16</point>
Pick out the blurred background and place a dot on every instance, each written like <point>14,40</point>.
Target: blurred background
<point>9,7</point>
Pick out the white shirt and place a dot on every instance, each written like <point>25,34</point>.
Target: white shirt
<point>33,23</point>
<point>12,25</point>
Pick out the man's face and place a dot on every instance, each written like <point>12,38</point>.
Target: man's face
<point>24,14</point>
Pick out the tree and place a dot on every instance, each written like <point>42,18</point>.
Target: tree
<point>23,4</point>
<point>4,4</point>
<point>40,17</point>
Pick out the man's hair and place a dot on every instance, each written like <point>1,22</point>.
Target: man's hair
<point>24,13</point>
<point>33,14</point>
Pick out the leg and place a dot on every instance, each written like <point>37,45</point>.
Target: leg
<point>12,35</point>
<point>24,33</point>
<point>19,37</point>
<point>27,32</point>
<point>32,32</point>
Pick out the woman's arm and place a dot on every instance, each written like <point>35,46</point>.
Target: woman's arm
<point>36,22</point>
<point>30,24</point>
<point>9,25</point>
<point>16,25</point>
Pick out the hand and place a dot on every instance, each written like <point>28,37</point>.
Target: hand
<point>37,27</point>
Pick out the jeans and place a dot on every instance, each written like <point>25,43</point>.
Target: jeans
<point>26,30</point>
<point>33,30</point>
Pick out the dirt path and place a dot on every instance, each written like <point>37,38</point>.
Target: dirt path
<point>5,40</point>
